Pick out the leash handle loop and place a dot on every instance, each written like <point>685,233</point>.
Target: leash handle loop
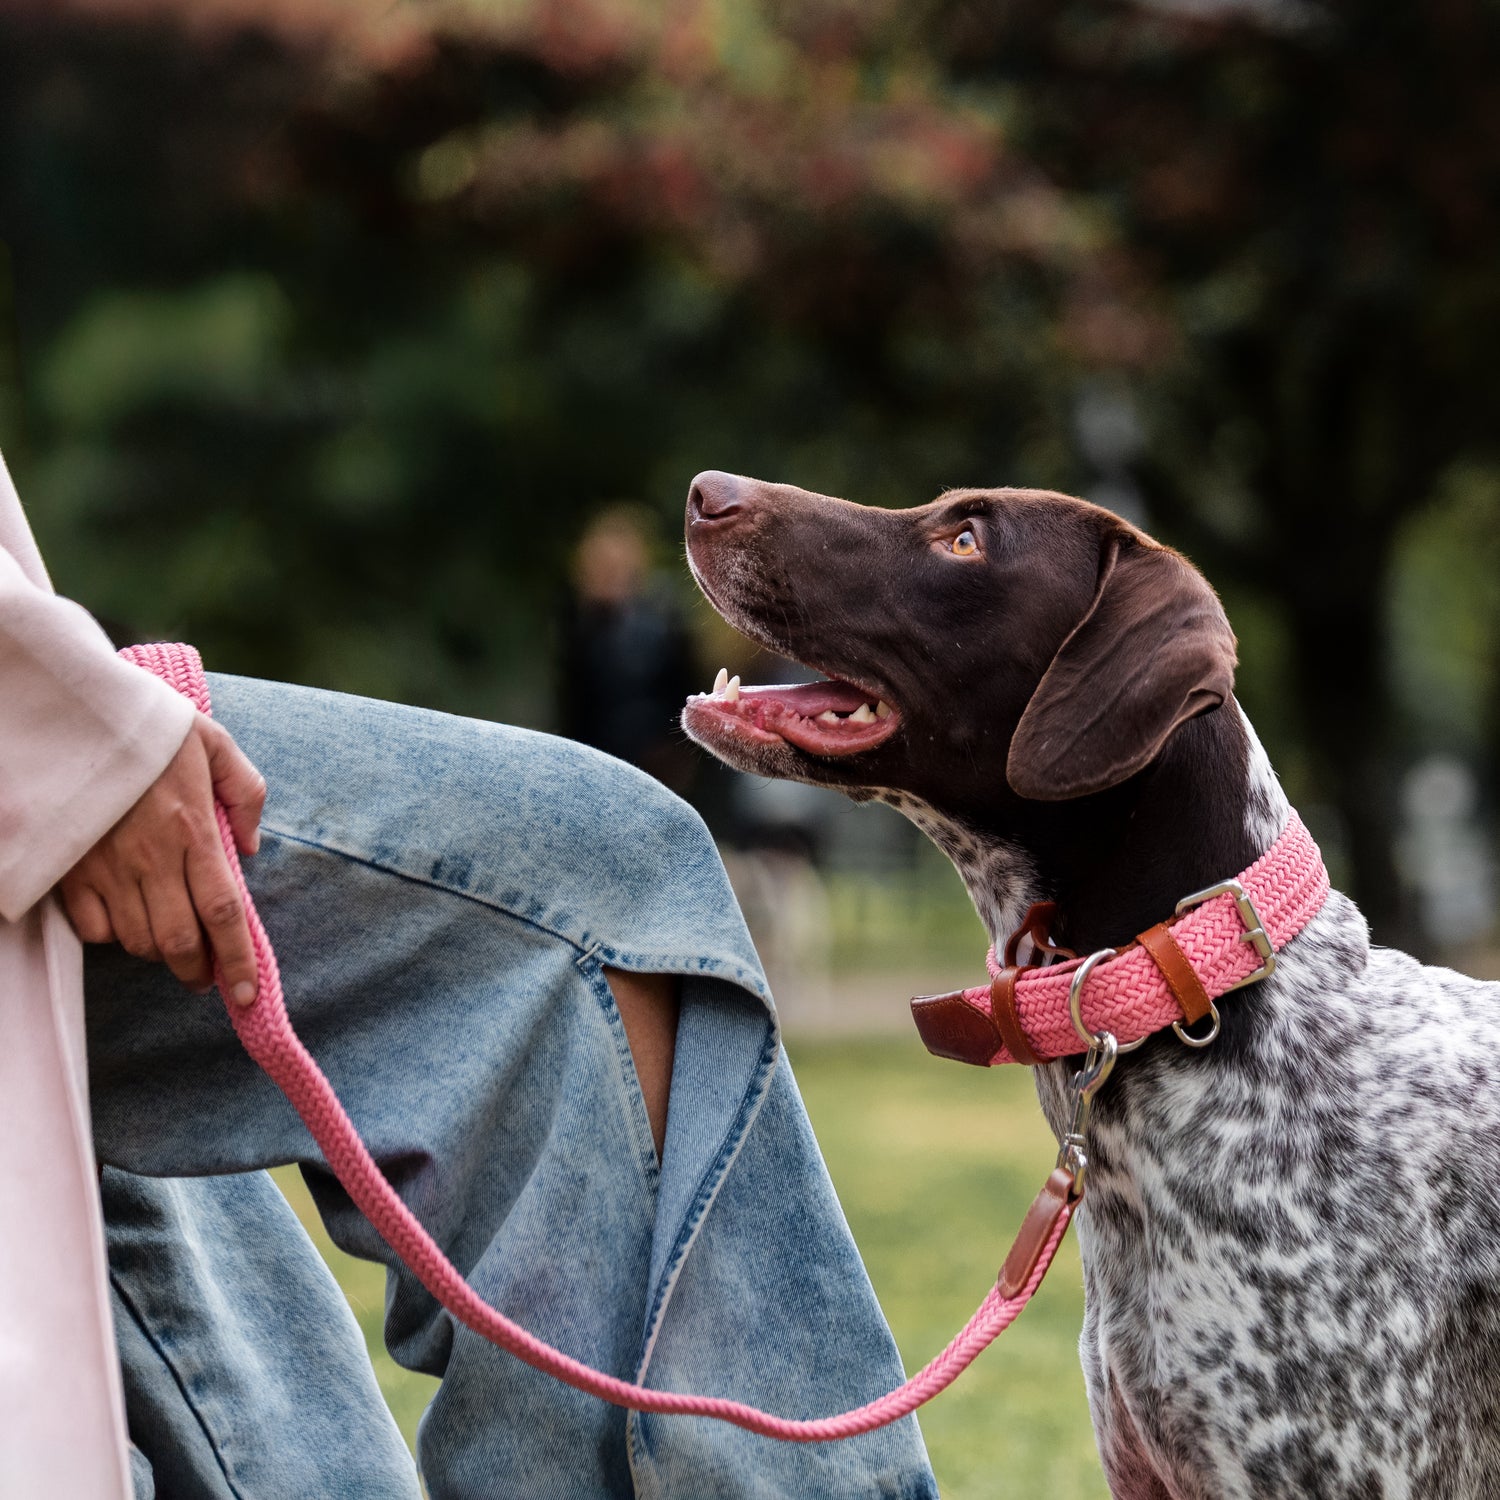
<point>266,1033</point>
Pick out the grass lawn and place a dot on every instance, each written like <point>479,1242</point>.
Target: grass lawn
<point>935,1164</point>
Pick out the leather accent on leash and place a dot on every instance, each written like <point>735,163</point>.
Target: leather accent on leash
<point>266,1033</point>
<point>1056,1198</point>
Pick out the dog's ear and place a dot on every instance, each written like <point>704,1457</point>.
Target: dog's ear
<point>1154,649</point>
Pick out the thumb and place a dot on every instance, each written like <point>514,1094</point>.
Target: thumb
<point>239,787</point>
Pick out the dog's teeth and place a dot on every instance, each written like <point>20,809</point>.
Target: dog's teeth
<point>829,717</point>
<point>882,710</point>
<point>721,681</point>
<point>732,690</point>
<point>864,714</point>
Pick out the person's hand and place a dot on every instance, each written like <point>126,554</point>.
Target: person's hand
<point>159,882</point>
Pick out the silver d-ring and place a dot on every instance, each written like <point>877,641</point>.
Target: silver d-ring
<point>1075,994</point>
<point>1198,1041</point>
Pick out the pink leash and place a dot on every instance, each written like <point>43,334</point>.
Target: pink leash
<point>266,1033</point>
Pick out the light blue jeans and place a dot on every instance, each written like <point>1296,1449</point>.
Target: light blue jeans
<point>444,896</point>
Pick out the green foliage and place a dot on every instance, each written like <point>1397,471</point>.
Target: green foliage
<point>336,321</point>
<point>377,337</point>
<point>215,346</point>
<point>1448,610</point>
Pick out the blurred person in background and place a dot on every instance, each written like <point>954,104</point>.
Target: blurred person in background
<point>627,661</point>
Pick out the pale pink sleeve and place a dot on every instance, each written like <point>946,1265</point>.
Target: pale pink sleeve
<point>82,735</point>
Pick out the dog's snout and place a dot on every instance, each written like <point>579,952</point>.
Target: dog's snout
<point>715,496</point>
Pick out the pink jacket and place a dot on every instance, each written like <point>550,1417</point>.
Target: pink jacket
<point>82,735</point>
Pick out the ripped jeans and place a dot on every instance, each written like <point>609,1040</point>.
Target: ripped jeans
<point>444,896</point>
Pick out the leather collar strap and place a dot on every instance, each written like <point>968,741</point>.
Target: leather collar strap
<point>1170,973</point>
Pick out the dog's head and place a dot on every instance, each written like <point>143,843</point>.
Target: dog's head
<point>993,645</point>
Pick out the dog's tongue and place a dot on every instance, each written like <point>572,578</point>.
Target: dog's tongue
<point>822,718</point>
<point>811,698</point>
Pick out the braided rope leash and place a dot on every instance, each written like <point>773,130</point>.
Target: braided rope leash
<point>267,1035</point>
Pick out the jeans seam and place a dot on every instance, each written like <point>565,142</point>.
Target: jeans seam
<point>745,1117</point>
<point>149,1335</point>
<point>708,1188</point>
<point>645,962</point>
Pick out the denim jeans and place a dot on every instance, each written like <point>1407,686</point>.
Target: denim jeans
<point>444,896</point>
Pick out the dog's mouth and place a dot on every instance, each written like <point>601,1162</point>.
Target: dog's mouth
<point>830,718</point>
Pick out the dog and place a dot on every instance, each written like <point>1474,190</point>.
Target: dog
<point>1291,1237</point>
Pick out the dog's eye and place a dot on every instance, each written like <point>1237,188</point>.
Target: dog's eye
<point>965,544</point>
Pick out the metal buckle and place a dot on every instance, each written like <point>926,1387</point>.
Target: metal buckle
<point>1254,934</point>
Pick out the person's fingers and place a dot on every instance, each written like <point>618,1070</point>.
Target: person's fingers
<point>87,912</point>
<point>160,881</point>
<point>239,786</point>
<point>222,913</point>
<point>127,916</point>
<point>176,932</point>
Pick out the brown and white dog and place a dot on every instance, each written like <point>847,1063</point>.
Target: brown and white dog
<point>1291,1240</point>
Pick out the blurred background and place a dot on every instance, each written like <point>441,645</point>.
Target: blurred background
<point>373,345</point>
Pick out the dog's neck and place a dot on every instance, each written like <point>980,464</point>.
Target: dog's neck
<point>1119,862</point>
<point>1203,812</point>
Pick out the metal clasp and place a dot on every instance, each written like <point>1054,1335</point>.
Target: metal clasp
<point>1098,1064</point>
<point>1255,934</point>
<point>1072,1156</point>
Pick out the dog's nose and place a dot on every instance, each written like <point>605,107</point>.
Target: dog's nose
<point>715,496</point>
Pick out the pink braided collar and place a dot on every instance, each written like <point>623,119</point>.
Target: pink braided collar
<point>1128,994</point>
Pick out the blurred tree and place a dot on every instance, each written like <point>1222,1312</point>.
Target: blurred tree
<point>337,320</point>
<point>336,325</point>
<point>1306,195</point>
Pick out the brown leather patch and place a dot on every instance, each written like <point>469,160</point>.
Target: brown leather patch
<point>1036,1227</point>
<point>1008,1019</point>
<point>951,1027</point>
<point>1182,979</point>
